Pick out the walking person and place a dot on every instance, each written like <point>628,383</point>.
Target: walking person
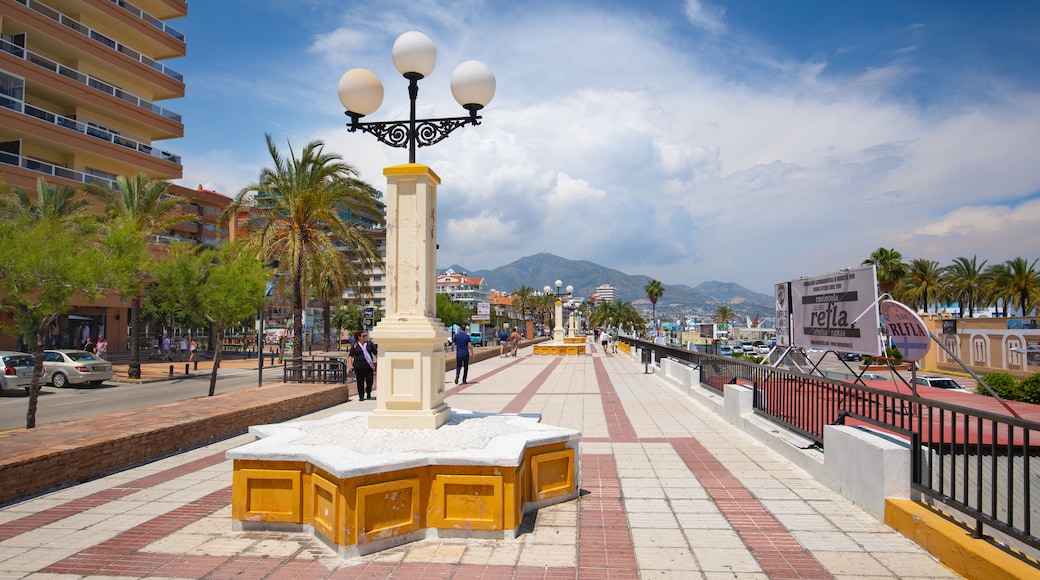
<point>604,339</point>
<point>362,358</point>
<point>503,342</point>
<point>183,347</point>
<point>192,347</point>
<point>167,344</point>
<point>463,350</point>
<point>514,342</point>
<point>102,347</point>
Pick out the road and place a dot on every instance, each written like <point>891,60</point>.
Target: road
<point>83,401</point>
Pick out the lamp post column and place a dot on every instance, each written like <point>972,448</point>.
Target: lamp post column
<point>410,337</point>
<point>558,329</point>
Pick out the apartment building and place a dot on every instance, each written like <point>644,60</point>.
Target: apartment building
<point>462,288</point>
<point>81,82</point>
<point>605,293</point>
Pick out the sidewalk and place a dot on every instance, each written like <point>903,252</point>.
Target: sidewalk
<point>669,491</point>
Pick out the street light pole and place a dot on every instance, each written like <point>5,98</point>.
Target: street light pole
<point>558,327</point>
<point>412,391</point>
<point>260,327</point>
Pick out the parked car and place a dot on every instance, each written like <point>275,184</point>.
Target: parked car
<point>940,383</point>
<point>725,350</point>
<point>74,367</point>
<point>762,349</point>
<point>850,356</point>
<point>747,346</point>
<point>18,370</point>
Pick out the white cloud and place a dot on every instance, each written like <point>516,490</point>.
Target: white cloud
<point>706,16</point>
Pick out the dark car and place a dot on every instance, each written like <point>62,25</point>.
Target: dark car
<point>851,356</point>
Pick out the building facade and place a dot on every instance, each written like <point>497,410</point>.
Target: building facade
<point>605,293</point>
<point>463,289</point>
<point>81,82</point>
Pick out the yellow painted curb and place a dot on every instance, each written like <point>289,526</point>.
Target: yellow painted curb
<point>953,545</point>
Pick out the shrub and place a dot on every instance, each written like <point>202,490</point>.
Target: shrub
<point>1003,384</point>
<point>1029,389</point>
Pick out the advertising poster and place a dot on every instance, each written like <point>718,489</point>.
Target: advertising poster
<point>837,312</point>
<point>906,330</point>
<point>782,292</point>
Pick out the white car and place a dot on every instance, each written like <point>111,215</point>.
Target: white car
<point>17,370</point>
<point>941,383</point>
<point>74,367</point>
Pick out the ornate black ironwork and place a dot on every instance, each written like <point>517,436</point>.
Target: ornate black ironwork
<point>396,133</point>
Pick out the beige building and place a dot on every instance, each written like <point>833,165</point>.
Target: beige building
<point>986,345</point>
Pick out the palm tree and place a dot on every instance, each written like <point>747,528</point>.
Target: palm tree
<point>922,283</point>
<point>615,314</point>
<point>723,315</point>
<point>654,290</point>
<point>522,298</point>
<point>963,281</point>
<point>299,210</point>
<point>995,288</point>
<point>135,212</point>
<point>890,268</point>
<point>51,202</point>
<point>1021,281</point>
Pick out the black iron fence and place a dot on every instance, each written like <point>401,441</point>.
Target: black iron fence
<point>982,464</point>
<point>328,370</point>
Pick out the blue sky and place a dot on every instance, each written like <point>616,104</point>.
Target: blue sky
<point>748,141</point>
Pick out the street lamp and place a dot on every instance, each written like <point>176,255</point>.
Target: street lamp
<point>412,389</point>
<point>361,92</point>
<point>558,328</point>
<point>273,264</point>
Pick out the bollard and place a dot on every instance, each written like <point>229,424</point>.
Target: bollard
<point>196,366</point>
<point>171,371</point>
<point>186,367</point>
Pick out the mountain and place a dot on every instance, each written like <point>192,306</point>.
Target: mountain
<point>543,269</point>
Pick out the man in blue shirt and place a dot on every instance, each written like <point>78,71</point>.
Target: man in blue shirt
<point>463,350</point>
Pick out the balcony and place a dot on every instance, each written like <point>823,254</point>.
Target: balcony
<point>166,28</point>
<point>86,80</point>
<point>74,125</point>
<point>96,36</point>
<point>48,169</point>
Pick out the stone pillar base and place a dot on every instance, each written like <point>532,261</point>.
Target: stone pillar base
<point>405,419</point>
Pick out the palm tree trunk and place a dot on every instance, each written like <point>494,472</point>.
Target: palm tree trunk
<point>298,310</point>
<point>134,369</point>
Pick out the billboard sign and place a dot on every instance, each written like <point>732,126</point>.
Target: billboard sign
<point>906,330</point>
<point>836,312</point>
<point>483,312</point>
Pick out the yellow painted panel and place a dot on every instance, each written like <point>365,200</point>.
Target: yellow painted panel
<point>325,508</point>
<point>388,509</point>
<point>552,474</point>
<point>267,495</point>
<point>467,502</point>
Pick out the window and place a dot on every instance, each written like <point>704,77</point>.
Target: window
<point>12,86</point>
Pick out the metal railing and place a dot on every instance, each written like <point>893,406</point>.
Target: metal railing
<point>55,170</point>
<point>96,132</point>
<point>166,28</point>
<point>96,36</point>
<point>327,370</point>
<point>85,79</point>
<point>982,464</point>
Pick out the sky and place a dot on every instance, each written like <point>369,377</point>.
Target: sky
<point>746,141</point>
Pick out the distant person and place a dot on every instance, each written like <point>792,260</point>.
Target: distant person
<point>503,343</point>
<point>88,345</point>
<point>192,347</point>
<point>102,347</point>
<point>604,339</point>
<point>167,344</point>
<point>183,347</point>
<point>463,350</point>
<point>514,342</point>
<point>362,358</point>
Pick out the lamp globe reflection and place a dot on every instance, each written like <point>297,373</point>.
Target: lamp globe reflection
<point>414,54</point>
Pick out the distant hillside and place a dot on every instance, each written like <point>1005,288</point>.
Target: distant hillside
<point>543,269</point>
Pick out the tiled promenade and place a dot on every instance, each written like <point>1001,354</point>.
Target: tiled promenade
<point>669,491</point>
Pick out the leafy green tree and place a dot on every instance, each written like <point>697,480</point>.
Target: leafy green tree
<point>654,290</point>
<point>451,313</point>
<point>921,285</point>
<point>46,260</point>
<point>229,284</point>
<point>346,316</point>
<point>135,212</point>
<point>890,268</point>
<point>300,212</point>
<point>964,282</point>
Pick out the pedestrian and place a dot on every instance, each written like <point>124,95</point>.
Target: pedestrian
<point>183,347</point>
<point>192,347</point>
<point>613,340</point>
<point>604,339</point>
<point>362,358</point>
<point>102,347</point>
<point>463,351</point>
<point>514,342</point>
<point>167,344</point>
<point>155,349</point>
<point>88,345</point>
<point>503,342</point>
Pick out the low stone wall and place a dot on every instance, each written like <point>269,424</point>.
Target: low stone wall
<point>59,455</point>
